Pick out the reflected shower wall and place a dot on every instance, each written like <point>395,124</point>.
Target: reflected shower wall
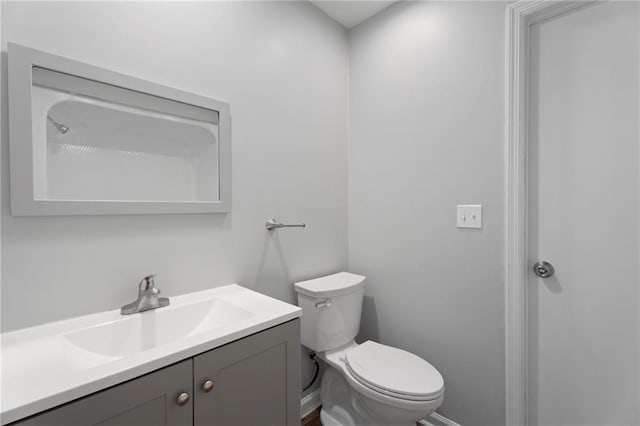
<point>119,144</point>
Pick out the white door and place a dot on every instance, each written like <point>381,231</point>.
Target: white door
<point>584,217</point>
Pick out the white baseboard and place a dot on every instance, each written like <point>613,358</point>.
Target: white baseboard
<point>312,401</point>
<point>309,403</point>
<point>437,420</point>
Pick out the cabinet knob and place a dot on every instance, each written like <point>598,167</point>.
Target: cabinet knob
<point>207,386</point>
<point>182,399</point>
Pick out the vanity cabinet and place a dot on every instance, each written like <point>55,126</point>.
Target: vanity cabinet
<point>251,381</point>
<point>256,380</point>
<point>147,400</point>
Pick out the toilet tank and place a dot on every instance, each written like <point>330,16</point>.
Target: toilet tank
<point>331,308</point>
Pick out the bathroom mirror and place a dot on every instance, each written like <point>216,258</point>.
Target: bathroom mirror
<point>85,140</point>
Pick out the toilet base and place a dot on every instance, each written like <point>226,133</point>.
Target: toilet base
<point>328,419</point>
<point>344,406</point>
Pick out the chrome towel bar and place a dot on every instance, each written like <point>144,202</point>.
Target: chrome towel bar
<point>273,224</point>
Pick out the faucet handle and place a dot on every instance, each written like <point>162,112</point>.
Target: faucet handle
<point>147,283</point>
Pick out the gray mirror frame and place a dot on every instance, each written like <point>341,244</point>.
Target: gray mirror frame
<point>21,61</point>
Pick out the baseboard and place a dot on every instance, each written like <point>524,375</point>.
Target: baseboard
<point>437,420</point>
<point>309,403</point>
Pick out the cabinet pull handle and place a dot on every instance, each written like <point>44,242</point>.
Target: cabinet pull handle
<point>207,386</point>
<point>183,398</point>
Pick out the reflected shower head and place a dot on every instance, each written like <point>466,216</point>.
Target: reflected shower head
<point>59,126</point>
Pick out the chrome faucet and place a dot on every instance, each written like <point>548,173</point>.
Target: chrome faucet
<point>147,298</point>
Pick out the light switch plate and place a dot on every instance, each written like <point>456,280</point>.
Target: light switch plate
<point>469,216</point>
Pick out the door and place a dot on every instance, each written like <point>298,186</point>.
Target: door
<point>584,214</point>
<point>155,399</point>
<point>252,381</point>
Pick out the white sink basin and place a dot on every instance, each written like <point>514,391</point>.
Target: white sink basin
<point>150,329</point>
<point>73,358</point>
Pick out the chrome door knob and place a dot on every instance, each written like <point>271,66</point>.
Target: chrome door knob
<point>207,386</point>
<point>544,269</point>
<point>182,399</point>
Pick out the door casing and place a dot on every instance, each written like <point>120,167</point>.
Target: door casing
<point>520,16</point>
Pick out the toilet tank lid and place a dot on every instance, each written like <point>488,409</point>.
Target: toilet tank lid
<point>331,285</point>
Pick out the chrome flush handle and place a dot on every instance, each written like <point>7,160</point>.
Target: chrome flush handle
<point>324,303</point>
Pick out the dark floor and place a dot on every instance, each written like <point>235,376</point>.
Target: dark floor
<point>312,419</point>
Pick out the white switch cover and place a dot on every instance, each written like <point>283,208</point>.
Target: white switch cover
<point>469,216</point>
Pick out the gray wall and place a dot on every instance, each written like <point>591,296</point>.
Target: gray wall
<point>426,105</point>
<point>282,67</point>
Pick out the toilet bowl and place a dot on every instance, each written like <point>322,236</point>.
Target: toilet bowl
<point>384,385</point>
<point>368,383</point>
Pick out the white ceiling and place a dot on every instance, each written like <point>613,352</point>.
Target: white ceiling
<point>350,13</point>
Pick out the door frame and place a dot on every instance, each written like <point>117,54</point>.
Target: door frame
<point>520,16</point>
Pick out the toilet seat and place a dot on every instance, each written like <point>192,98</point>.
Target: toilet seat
<point>394,372</point>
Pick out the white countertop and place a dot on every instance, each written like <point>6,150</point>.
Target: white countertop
<point>51,364</point>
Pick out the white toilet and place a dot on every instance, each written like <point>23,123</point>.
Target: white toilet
<point>366,384</point>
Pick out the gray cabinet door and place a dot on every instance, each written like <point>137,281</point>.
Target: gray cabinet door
<point>256,380</point>
<point>147,400</point>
